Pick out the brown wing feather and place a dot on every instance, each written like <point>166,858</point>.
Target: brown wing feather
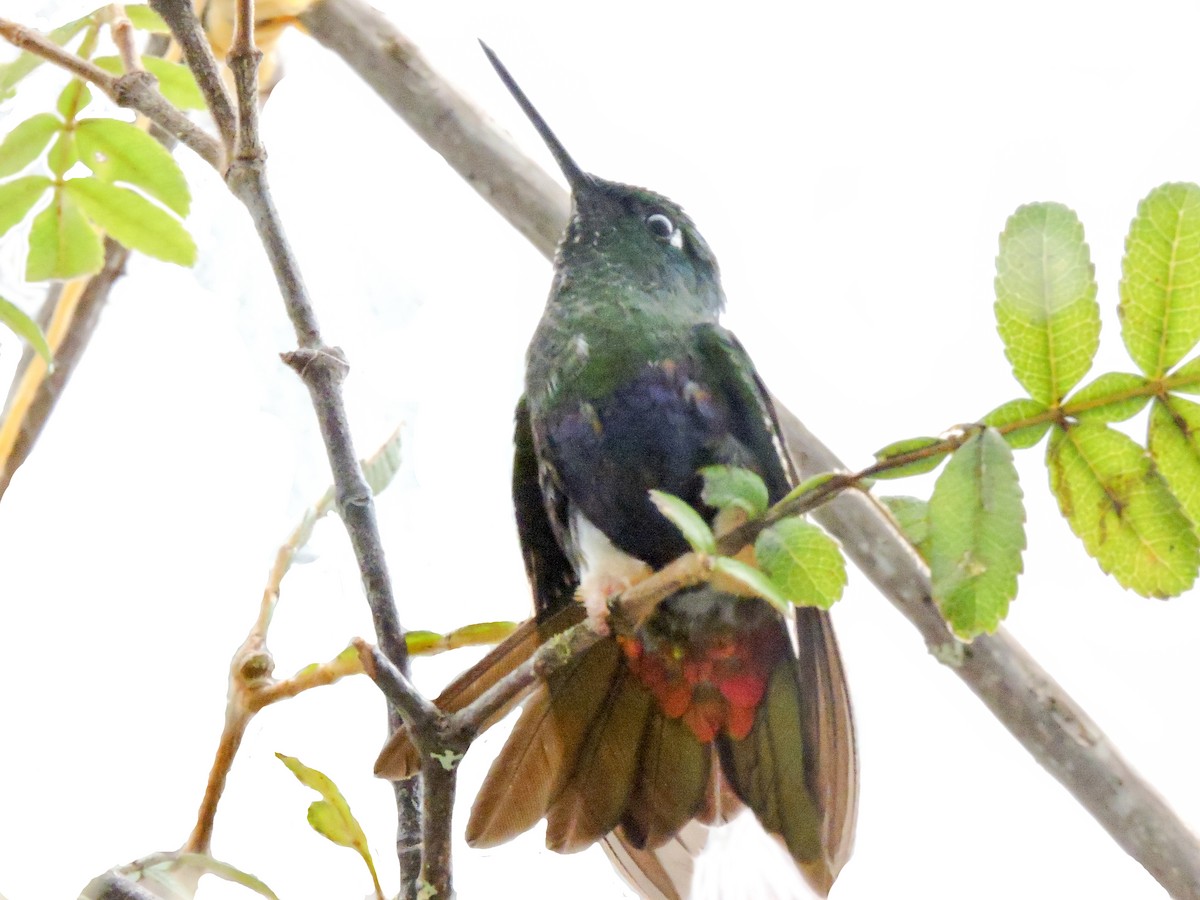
<point>664,873</point>
<point>595,796</point>
<point>540,754</point>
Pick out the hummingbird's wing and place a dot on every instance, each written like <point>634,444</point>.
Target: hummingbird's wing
<point>554,583</point>
<point>811,699</point>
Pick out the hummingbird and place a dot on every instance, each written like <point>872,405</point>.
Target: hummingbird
<point>717,703</point>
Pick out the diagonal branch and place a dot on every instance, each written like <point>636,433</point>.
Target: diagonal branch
<point>1036,710</point>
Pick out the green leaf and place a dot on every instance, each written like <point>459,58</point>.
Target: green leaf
<point>133,220</point>
<point>119,151</point>
<point>146,19</point>
<point>912,517</point>
<point>13,72</point>
<point>977,533</point>
<point>693,528</point>
<point>1019,410</point>
<point>1113,397</point>
<point>904,447</point>
<point>1160,280</point>
<point>62,243</point>
<point>62,153</point>
<point>803,561</point>
<point>726,486</point>
<point>1046,309</point>
<point>17,198</point>
<point>171,871</point>
<point>808,485</point>
<point>73,98</point>
<point>1174,443</point>
<point>24,327</point>
<point>331,816</point>
<point>175,80</point>
<point>754,581</point>
<point>26,142</point>
<point>1119,506</point>
<point>1186,379</point>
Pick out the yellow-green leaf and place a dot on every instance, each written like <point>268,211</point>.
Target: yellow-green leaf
<point>1160,281</point>
<point>802,561</point>
<point>976,535</point>
<point>1113,397</point>
<point>903,448</point>
<point>26,142</point>
<point>62,243</point>
<point>146,19</point>
<point>1046,308</point>
<point>73,98</point>
<point>133,220</point>
<point>731,486</point>
<point>754,581</point>
<point>24,327</point>
<point>118,151</point>
<point>1174,443</point>
<point>381,467</point>
<point>17,198</point>
<point>1186,378</point>
<point>62,153</point>
<point>331,816</point>
<point>693,528</point>
<point>1021,410</point>
<point>1119,506</point>
<point>912,516</point>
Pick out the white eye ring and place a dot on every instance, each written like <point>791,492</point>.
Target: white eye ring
<point>664,229</point>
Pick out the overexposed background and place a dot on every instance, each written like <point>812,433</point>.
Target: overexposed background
<point>850,164</point>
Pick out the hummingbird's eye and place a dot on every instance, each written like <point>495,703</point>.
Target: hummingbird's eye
<point>664,229</point>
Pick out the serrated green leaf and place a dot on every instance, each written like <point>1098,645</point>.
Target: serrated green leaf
<point>1019,410</point>
<point>1046,309</point>
<point>904,447</point>
<point>24,327</point>
<point>977,533</point>
<point>693,528</point>
<point>1119,506</point>
<point>808,485</point>
<point>119,151</point>
<point>13,72</point>
<point>803,561</point>
<point>26,142</point>
<point>331,816</point>
<point>175,80</point>
<point>62,153</point>
<point>1186,379</point>
<point>1160,278</point>
<point>62,243</point>
<point>146,19</point>
<point>73,98</point>
<point>912,516</point>
<point>133,220</point>
<point>1174,444</point>
<point>1113,397</point>
<point>754,581</point>
<point>731,486</point>
<point>17,198</point>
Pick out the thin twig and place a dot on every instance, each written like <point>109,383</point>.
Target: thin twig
<point>122,35</point>
<point>1032,706</point>
<point>189,34</point>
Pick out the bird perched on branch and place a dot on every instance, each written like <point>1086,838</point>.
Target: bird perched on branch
<point>644,741</point>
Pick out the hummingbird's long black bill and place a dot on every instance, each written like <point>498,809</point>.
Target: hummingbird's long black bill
<point>578,179</point>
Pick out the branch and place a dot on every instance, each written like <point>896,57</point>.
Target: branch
<point>137,90</point>
<point>1031,705</point>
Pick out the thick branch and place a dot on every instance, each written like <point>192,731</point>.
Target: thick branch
<point>1035,709</point>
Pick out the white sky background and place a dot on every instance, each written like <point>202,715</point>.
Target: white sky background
<point>850,164</point>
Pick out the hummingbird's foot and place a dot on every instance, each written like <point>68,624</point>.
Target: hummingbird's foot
<point>597,588</point>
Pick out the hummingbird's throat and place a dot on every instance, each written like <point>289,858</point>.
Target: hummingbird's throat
<point>713,685</point>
